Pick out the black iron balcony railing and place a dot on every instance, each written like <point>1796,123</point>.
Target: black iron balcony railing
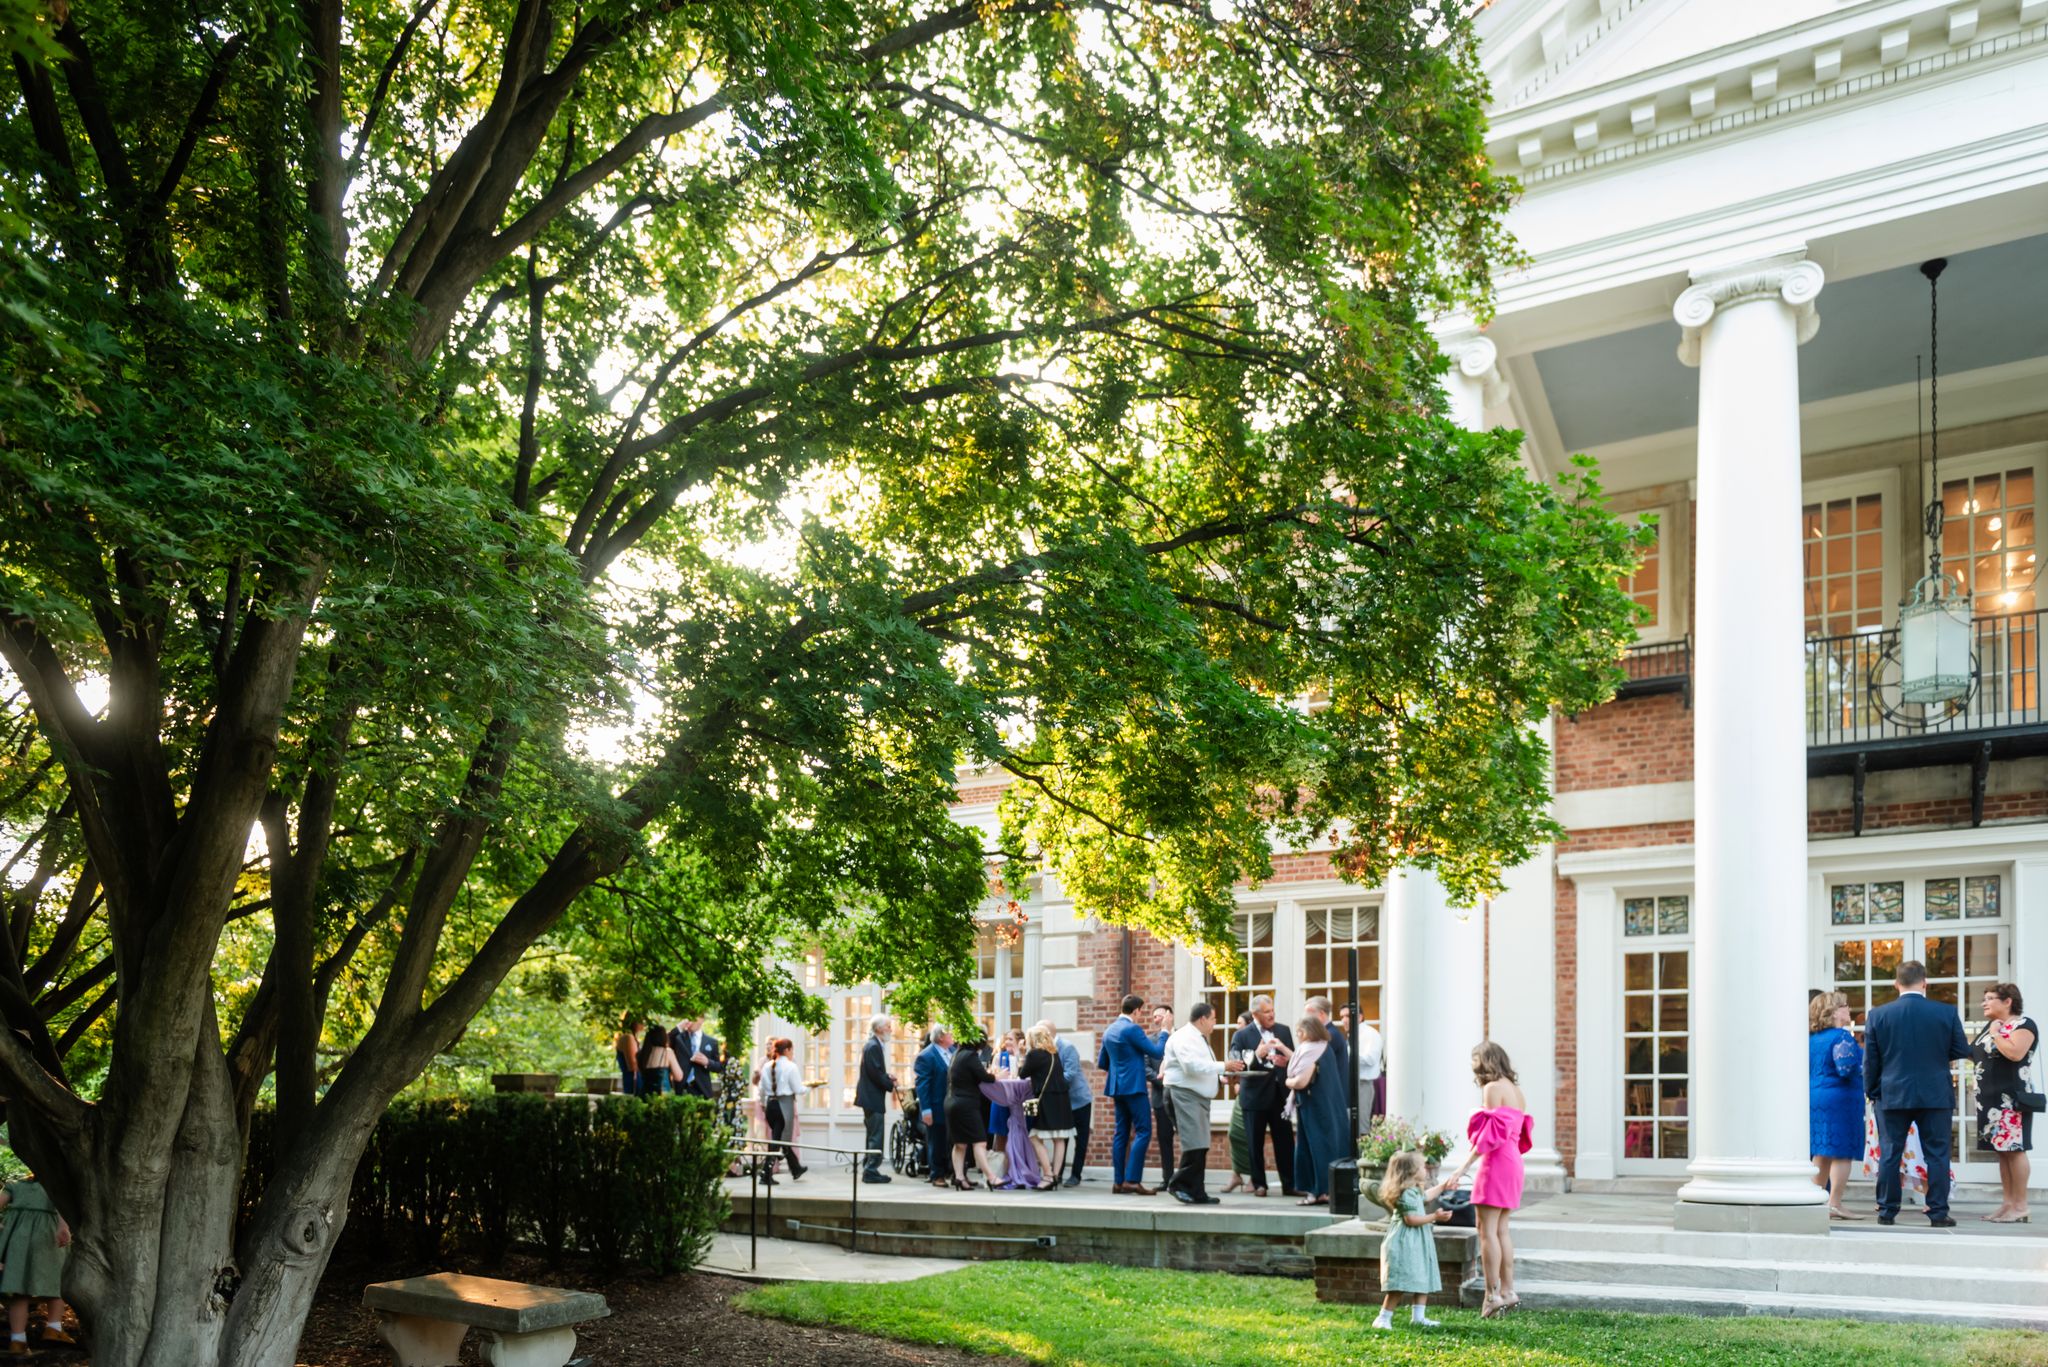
<point>1658,667</point>
<point>1852,689</point>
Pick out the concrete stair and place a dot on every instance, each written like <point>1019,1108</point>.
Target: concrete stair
<point>1935,1277</point>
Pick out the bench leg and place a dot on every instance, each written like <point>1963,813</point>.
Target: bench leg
<point>541,1348</point>
<point>417,1341</point>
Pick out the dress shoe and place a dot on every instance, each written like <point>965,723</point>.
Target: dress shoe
<point>1205,1200</point>
<point>1072,1182</point>
<point>1121,1189</point>
<point>1942,1221</point>
<point>1887,1219</point>
<point>1140,1189</point>
<point>1181,1196</point>
<point>878,1177</point>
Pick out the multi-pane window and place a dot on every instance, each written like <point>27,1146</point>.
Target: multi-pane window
<point>1255,938</point>
<point>1656,1014</point>
<point>1646,587</point>
<point>817,1070</point>
<point>1951,923</point>
<point>1987,539</point>
<point>1843,542</point>
<point>998,988</point>
<point>856,1009</point>
<point>1332,932</point>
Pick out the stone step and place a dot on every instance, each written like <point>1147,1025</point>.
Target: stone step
<point>1864,1243</point>
<point>1664,1300</point>
<point>1995,1285</point>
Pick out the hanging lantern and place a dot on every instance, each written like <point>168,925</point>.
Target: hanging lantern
<point>1934,644</point>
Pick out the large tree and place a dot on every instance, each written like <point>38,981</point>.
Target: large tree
<point>399,394</point>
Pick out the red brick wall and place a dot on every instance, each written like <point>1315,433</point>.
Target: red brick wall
<point>1621,744</point>
<point>1937,813</point>
<point>1565,934</point>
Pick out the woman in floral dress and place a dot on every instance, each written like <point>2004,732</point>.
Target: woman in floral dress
<point>2002,1051</point>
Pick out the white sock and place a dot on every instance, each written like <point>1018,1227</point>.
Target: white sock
<point>53,1324</point>
<point>22,1337</point>
<point>1415,1314</point>
<point>1385,1320</point>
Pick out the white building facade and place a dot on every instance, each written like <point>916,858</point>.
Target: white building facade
<point>1726,207</point>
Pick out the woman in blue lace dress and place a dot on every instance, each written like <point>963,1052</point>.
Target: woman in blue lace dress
<point>1834,1080</point>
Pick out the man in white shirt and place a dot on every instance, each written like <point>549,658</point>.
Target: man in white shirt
<point>1191,1072</point>
<point>1368,1049</point>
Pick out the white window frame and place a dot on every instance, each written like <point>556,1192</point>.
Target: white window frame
<point>1673,581</point>
<point>2031,453</point>
<point>1885,484</point>
<point>1656,943</point>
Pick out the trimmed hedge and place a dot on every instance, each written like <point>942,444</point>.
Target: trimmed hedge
<point>627,1178</point>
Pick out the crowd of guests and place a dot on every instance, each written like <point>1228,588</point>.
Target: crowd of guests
<point>657,1062</point>
<point>1159,1084</point>
<point>1901,1068</point>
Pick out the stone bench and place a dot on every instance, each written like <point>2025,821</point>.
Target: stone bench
<point>1347,1262</point>
<point>424,1319</point>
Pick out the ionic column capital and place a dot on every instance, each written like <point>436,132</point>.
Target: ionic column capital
<point>1789,278</point>
<point>1476,358</point>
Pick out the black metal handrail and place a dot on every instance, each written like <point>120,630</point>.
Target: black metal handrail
<point>1657,667</point>
<point>1852,686</point>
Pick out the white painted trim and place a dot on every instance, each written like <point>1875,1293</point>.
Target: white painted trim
<point>1597,1018</point>
<point>1884,482</point>
<point>1509,119</point>
<point>1639,864</point>
<point>1640,804</point>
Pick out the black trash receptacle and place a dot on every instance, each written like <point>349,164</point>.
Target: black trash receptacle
<point>1344,1188</point>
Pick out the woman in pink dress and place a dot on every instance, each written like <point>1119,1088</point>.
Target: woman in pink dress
<point>1500,1135</point>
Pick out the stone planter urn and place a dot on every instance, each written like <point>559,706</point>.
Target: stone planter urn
<point>600,1086</point>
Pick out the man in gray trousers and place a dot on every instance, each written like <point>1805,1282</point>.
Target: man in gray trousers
<point>1192,1072</point>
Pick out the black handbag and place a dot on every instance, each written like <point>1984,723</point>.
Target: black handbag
<point>2033,1101</point>
<point>1031,1102</point>
<point>1458,1201</point>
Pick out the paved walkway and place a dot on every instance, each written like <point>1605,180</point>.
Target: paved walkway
<point>786,1260</point>
<point>1654,1208</point>
<point>1092,1194</point>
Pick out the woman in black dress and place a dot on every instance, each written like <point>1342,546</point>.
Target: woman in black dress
<point>2002,1051</point>
<point>1052,1129</point>
<point>965,1107</point>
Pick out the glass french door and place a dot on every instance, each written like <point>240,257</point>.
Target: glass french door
<point>1956,925</point>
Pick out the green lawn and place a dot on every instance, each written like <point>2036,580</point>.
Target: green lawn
<point>1130,1317</point>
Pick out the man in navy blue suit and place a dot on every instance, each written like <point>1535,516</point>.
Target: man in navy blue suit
<point>1908,1046</point>
<point>930,1073</point>
<point>1125,1047</point>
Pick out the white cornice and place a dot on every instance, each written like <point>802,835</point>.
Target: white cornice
<point>1595,128</point>
<point>1513,116</point>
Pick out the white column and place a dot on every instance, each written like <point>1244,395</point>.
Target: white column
<point>1434,1007</point>
<point>1435,954</point>
<point>1749,1169</point>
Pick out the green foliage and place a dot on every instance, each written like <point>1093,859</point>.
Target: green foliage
<point>691,456</point>
<point>1140,1317</point>
<point>1390,1135</point>
<point>633,1178</point>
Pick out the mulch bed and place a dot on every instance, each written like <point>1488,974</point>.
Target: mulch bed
<point>655,1321</point>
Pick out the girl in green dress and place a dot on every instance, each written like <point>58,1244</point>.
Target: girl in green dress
<point>33,1237</point>
<point>1408,1252</point>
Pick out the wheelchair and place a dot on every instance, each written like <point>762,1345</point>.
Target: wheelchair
<point>907,1146</point>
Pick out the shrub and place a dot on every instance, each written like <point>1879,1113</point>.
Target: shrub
<point>622,1178</point>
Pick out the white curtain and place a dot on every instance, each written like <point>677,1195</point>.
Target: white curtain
<point>1345,925</point>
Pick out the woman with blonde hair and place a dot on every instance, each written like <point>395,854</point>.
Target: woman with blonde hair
<point>1049,1110</point>
<point>1501,1133</point>
<point>1834,1092</point>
